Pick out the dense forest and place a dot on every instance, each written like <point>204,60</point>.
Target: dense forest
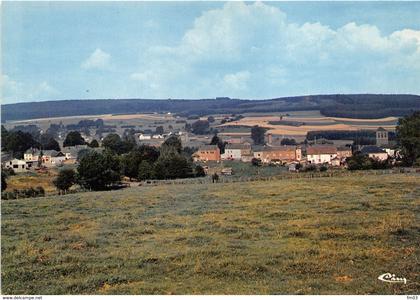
<point>353,106</point>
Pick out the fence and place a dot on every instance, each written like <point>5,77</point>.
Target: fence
<point>285,176</point>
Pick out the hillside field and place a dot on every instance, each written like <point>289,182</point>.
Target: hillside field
<point>297,236</point>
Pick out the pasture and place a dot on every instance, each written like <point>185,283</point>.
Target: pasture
<point>302,236</point>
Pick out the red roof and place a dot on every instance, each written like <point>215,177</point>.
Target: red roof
<point>321,150</point>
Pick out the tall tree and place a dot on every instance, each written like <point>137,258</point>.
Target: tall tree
<point>200,127</point>
<point>18,142</point>
<point>174,142</point>
<point>98,171</point>
<point>408,136</point>
<point>74,138</point>
<point>48,142</point>
<point>216,140</point>
<point>257,135</point>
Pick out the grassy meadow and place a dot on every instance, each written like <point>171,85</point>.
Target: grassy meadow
<point>300,236</point>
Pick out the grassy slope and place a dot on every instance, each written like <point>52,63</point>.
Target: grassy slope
<point>326,235</point>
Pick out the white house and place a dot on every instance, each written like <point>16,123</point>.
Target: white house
<point>236,151</point>
<point>143,137</point>
<point>320,154</point>
<point>375,152</point>
<point>16,165</point>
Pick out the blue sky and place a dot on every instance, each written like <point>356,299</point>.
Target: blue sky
<point>253,50</point>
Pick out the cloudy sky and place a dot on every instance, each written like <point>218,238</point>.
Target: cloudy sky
<point>250,50</point>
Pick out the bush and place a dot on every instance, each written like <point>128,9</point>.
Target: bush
<point>323,168</point>
<point>310,168</point>
<point>65,179</point>
<point>256,162</point>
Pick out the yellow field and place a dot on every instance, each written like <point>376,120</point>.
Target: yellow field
<point>316,123</point>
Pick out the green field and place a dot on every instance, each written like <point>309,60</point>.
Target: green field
<point>301,236</point>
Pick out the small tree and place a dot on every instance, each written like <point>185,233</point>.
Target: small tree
<point>200,127</point>
<point>73,138</point>
<point>65,180</point>
<point>94,144</point>
<point>199,171</point>
<point>159,130</point>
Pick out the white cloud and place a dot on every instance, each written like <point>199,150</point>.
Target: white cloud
<point>280,55</point>
<point>97,60</point>
<point>237,81</point>
<point>14,91</point>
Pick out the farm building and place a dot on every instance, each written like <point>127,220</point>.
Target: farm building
<point>320,154</point>
<point>236,151</point>
<point>207,153</point>
<point>375,152</point>
<point>279,153</point>
<point>16,165</point>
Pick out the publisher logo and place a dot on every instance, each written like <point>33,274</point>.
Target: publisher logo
<point>388,277</point>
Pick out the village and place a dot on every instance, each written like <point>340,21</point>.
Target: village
<point>270,149</point>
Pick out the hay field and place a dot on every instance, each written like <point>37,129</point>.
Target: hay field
<point>302,236</point>
<point>311,123</point>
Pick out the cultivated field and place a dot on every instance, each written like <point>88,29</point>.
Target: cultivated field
<point>310,121</point>
<point>302,236</point>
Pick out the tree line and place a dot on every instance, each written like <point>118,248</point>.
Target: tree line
<point>104,170</point>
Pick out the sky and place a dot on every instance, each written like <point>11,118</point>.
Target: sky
<point>249,50</point>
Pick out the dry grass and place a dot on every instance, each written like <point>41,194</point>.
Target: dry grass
<point>318,236</point>
<point>28,180</point>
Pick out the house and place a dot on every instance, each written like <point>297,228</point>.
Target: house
<point>16,165</point>
<point>31,155</point>
<point>236,151</point>
<point>344,152</point>
<point>53,158</point>
<point>143,137</point>
<point>207,153</point>
<point>72,151</point>
<point>375,152</point>
<point>320,154</point>
<point>278,153</point>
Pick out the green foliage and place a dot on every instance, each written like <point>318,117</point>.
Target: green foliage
<point>287,141</point>
<point>73,138</point>
<point>211,119</point>
<point>48,142</point>
<point>257,135</point>
<point>199,171</point>
<point>130,162</point>
<point>323,168</point>
<point>200,127</point>
<point>17,142</point>
<point>159,130</point>
<point>94,144</point>
<point>219,142</point>
<point>114,143</point>
<point>172,142</point>
<point>310,168</point>
<point>171,165</point>
<point>65,179</point>
<point>362,162</point>
<point>408,135</point>
<point>99,171</point>
<point>145,170</point>
<point>3,180</point>
<point>256,162</point>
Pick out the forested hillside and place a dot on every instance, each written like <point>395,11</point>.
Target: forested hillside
<point>353,106</point>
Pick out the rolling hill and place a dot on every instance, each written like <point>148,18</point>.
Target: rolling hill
<point>351,106</point>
